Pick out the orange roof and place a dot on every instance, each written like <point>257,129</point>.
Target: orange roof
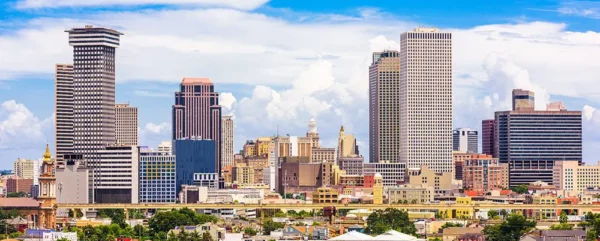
<point>471,193</point>
<point>505,192</point>
<point>196,81</point>
<point>19,202</point>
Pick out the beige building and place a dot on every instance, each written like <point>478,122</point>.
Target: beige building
<point>523,100</point>
<point>320,154</point>
<point>426,99</point>
<point>243,174</point>
<point>441,182</point>
<point>286,146</point>
<point>126,124</point>
<point>384,107</point>
<point>568,175</point>
<point>249,148</point>
<point>26,169</point>
<point>483,173</point>
<point>346,144</point>
<point>227,150</point>
<point>325,195</point>
<point>330,173</point>
<point>410,194</point>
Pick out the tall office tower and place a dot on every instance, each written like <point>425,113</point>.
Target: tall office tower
<point>346,144</point>
<point>426,99</point>
<point>384,107</point>
<point>197,114</point>
<point>523,100</point>
<point>227,144</point>
<point>194,157</point>
<point>127,124</point>
<point>93,88</point>
<point>465,140</point>
<point>312,133</point>
<point>26,169</point>
<point>532,141</point>
<point>487,137</point>
<point>63,109</point>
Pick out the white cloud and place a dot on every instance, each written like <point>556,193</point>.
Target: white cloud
<point>588,112</point>
<point>227,100</point>
<point>153,128</point>
<point>238,4</point>
<point>19,127</point>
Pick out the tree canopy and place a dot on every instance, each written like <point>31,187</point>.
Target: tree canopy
<point>382,221</point>
<point>521,189</point>
<point>165,221</point>
<point>269,226</point>
<point>510,230</point>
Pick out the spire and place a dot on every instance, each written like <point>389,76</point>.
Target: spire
<point>47,154</point>
<point>342,129</point>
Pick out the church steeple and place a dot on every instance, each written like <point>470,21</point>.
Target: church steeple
<point>47,155</point>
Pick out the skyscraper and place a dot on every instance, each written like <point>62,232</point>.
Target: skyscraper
<point>426,99</point>
<point>63,109</point>
<point>227,144</point>
<point>197,114</point>
<point>26,169</point>
<point>346,144</point>
<point>465,140</point>
<point>532,141</point>
<point>384,107</point>
<point>312,133</point>
<point>487,137</point>
<point>93,88</point>
<point>127,124</point>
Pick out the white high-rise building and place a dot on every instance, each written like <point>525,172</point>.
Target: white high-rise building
<point>426,99</point>
<point>26,169</point>
<point>227,139</point>
<point>465,140</point>
<point>63,109</point>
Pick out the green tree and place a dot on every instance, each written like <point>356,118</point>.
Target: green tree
<point>279,214</point>
<point>269,226</point>
<point>165,221</point>
<point>382,221</point>
<point>503,213</point>
<point>509,230</point>
<point>449,225</point>
<point>414,201</point>
<point>17,194</point>
<point>206,237</point>
<point>563,219</point>
<point>521,189</point>
<point>15,235</point>
<point>303,214</point>
<point>492,214</point>
<point>62,239</point>
<point>561,226</point>
<point>117,216</point>
<point>250,231</point>
<point>591,235</point>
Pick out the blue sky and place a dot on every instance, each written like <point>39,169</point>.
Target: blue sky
<point>279,63</point>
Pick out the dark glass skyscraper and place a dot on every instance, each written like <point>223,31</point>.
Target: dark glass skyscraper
<point>531,141</point>
<point>197,114</point>
<point>487,137</point>
<point>193,156</point>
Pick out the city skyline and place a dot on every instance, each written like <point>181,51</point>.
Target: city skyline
<point>339,98</point>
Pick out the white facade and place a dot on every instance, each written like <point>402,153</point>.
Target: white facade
<point>117,170</point>
<point>426,99</point>
<point>465,140</point>
<point>72,180</point>
<point>227,150</point>
<point>63,109</point>
<point>166,147</point>
<point>392,173</point>
<point>53,236</point>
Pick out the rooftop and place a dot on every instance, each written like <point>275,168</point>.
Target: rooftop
<point>191,81</point>
<point>19,202</point>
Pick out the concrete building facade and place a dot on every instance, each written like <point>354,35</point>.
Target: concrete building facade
<point>72,180</point>
<point>570,176</point>
<point>115,177</point>
<point>352,165</point>
<point>392,173</point>
<point>26,169</point>
<point>227,134</point>
<point>441,181</point>
<point>93,89</point>
<point>63,109</point>
<point>426,99</point>
<point>126,124</point>
<point>482,173</point>
<point>319,154</point>
<point>346,144</point>
<point>384,107</point>
<point>410,194</point>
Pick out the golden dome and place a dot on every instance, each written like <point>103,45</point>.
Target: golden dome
<point>47,154</point>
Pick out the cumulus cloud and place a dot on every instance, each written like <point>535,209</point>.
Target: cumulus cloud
<point>227,100</point>
<point>19,127</point>
<point>157,128</point>
<point>238,4</point>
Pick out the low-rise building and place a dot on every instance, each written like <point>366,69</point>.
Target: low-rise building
<point>217,233</point>
<point>410,194</point>
<point>441,182</point>
<point>566,235</point>
<point>463,234</point>
<point>325,195</point>
<point>392,173</point>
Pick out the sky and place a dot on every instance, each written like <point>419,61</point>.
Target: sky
<point>279,63</point>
